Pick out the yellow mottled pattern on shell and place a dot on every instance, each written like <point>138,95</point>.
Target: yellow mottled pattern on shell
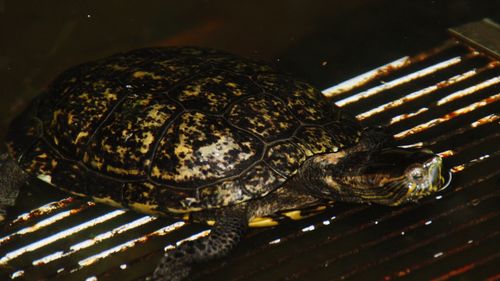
<point>86,94</point>
<point>258,181</point>
<point>304,101</point>
<point>123,145</point>
<point>345,133</point>
<point>199,90</point>
<point>213,90</point>
<point>154,70</point>
<point>285,157</point>
<point>239,65</point>
<point>41,161</point>
<point>156,199</point>
<point>220,194</point>
<point>315,140</point>
<point>78,115</point>
<point>198,148</point>
<point>307,102</point>
<point>265,116</point>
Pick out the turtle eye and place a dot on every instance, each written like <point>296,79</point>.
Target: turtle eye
<point>417,174</point>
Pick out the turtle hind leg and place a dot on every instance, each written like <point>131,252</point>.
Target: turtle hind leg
<point>223,237</point>
<point>11,180</point>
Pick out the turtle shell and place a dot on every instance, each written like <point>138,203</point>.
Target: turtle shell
<point>175,130</point>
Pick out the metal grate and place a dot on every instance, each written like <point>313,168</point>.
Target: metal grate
<point>446,99</point>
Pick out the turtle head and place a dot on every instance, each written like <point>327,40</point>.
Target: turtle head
<point>398,175</point>
<point>390,176</point>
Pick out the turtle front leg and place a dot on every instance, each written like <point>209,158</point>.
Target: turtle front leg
<point>11,180</point>
<point>224,236</point>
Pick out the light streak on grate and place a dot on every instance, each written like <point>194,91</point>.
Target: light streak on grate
<point>349,87</point>
<point>366,77</point>
<point>383,70</point>
<point>399,81</point>
<point>468,91</point>
<point>63,234</point>
<point>447,117</point>
<point>447,153</point>
<point>38,225</point>
<point>46,222</point>
<point>190,238</point>
<point>97,239</point>
<point>462,167</point>
<point>416,95</point>
<point>488,119</point>
<point>17,274</point>
<point>309,228</point>
<point>132,243</point>
<point>405,116</point>
<point>276,241</point>
<point>45,209</point>
<point>480,122</point>
<point>413,145</point>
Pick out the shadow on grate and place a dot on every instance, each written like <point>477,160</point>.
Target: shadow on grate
<point>446,99</point>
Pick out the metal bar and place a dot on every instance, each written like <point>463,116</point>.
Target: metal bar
<point>484,35</point>
<point>399,81</point>
<point>90,242</point>
<point>446,117</point>
<point>383,70</point>
<point>63,234</point>
<point>430,89</point>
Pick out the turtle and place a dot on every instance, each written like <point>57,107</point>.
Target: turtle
<point>205,136</point>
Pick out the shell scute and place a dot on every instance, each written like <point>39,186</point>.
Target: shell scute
<point>223,193</point>
<point>303,100</point>
<point>212,91</point>
<point>260,180</point>
<point>239,65</point>
<point>265,116</point>
<point>150,198</point>
<point>124,144</point>
<point>75,119</point>
<point>285,157</point>
<point>198,149</point>
<point>315,140</point>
